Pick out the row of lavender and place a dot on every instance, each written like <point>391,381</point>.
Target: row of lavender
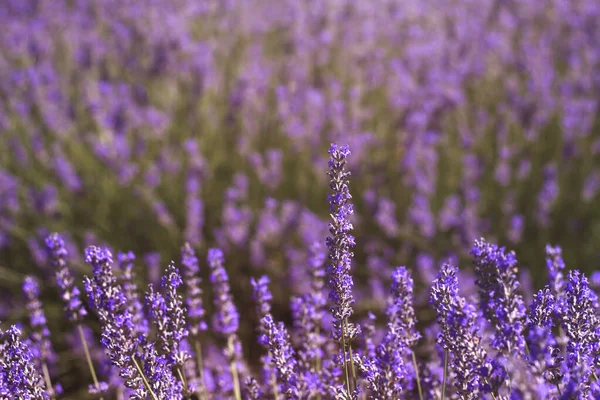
<point>147,126</point>
<point>489,345</point>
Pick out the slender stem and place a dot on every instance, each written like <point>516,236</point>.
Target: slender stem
<point>445,374</point>
<point>200,366</point>
<point>139,370</point>
<point>559,391</point>
<point>346,362</point>
<point>86,350</point>
<point>352,366</point>
<point>182,378</point>
<point>318,363</point>
<point>236,381</point>
<point>414,358</point>
<point>351,360</point>
<point>47,378</point>
<point>275,387</point>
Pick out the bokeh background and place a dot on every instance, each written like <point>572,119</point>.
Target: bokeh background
<point>145,124</point>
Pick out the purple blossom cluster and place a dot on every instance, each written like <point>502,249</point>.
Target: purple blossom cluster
<point>490,343</point>
<point>195,122</point>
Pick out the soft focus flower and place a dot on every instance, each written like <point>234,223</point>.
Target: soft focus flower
<point>500,300</point>
<point>57,254</point>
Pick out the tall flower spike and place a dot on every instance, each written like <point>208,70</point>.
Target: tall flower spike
<point>500,301</point>
<point>277,340</point>
<point>106,298</point>
<point>555,265</point>
<point>18,374</point>
<point>227,321</point>
<point>400,310</point>
<point>134,305</point>
<point>459,334</point>
<point>308,312</point>
<point>40,336</point>
<point>167,312</point>
<point>262,298</point>
<point>57,255</point>
<point>252,389</point>
<point>544,361</point>
<point>386,370</point>
<point>193,291</point>
<point>340,257</point>
<point>195,308</point>
<point>579,322</point>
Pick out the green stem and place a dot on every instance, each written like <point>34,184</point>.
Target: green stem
<point>47,378</point>
<point>236,381</point>
<point>318,364</point>
<point>351,361</point>
<point>346,362</point>
<point>182,379</point>
<point>445,374</point>
<point>86,350</point>
<point>414,358</point>
<point>275,387</point>
<point>200,366</point>
<point>139,370</point>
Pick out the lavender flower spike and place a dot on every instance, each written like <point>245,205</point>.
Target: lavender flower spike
<point>106,298</point>
<point>227,321</point>
<point>386,371</point>
<point>177,330</point>
<point>400,310</point>
<point>459,334</point>
<point>195,308</point>
<point>340,256</point>
<point>579,322</point>
<point>57,254</point>
<point>277,340</point>
<point>18,375</point>
<point>134,305</point>
<point>555,265</point>
<point>500,301</point>
<point>40,336</point>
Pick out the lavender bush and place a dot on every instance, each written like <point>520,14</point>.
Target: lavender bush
<point>487,345</point>
<point>185,131</point>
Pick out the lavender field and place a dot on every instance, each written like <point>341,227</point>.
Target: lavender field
<point>299,199</point>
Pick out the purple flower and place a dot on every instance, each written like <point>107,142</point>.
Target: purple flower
<point>228,319</point>
<point>276,340</point>
<point>252,389</point>
<point>400,310</point>
<point>169,315</point>
<point>543,353</point>
<point>19,378</point>
<point>193,298</point>
<point>227,315</point>
<point>500,301</point>
<point>580,324</point>
<point>40,336</point>
<point>385,372</point>
<point>459,334</point>
<point>134,305</point>
<point>555,265</point>
<point>339,244</point>
<point>308,312</point>
<point>262,295</point>
<point>57,254</point>
<point>107,300</point>
<point>158,372</point>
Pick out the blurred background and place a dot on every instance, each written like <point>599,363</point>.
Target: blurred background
<point>145,124</point>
